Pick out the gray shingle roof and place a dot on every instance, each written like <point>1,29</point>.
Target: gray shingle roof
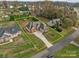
<point>53,22</point>
<point>38,25</point>
<point>12,30</point>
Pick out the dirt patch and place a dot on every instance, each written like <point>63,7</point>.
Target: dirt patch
<point>23,23</point>
<point>18,41</point>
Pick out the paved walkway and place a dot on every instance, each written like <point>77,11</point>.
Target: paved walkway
<point>42,37</point>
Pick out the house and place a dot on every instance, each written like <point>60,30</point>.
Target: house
<point>24,10</point>
<point>36,26</point>
<point>7,34</point>
<point>56,24</point>
<point>53,22</point>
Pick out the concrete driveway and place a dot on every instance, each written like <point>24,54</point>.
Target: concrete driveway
<point>42,37</point>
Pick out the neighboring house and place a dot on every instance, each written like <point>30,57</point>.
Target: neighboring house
<point>54,22</point>
<point>36,26</point>
<point>24,10</point>
<point>6,34</point>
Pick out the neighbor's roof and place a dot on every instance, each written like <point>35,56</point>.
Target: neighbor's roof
<point>12,30</point>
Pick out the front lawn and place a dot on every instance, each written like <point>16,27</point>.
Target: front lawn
<point>52,35</point>
<point>69,51</point>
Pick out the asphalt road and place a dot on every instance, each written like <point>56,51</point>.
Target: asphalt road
<point>52,50</point>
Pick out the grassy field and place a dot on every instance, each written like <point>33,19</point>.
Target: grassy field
<point>43,19</point>
<point>53,36</point>
<point>69,51</point>
<point>15,47</point>
<point>21,17</point>
<point>6,23</point>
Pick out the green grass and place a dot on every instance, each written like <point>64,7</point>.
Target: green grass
<point>69,51</point>
<point>14,48</point>
<point>26,54</point>
<point>21,17</point>
<point>53,36</point>
<point>43,19</point>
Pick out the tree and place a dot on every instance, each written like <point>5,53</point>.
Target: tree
<point>67,23</point>
<point>12,17</point>
<point>66,14</point>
